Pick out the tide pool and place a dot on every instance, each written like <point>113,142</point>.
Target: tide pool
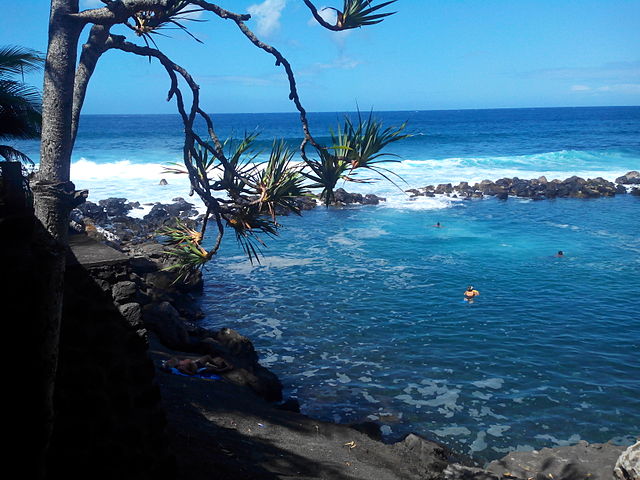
<point>360,312</point>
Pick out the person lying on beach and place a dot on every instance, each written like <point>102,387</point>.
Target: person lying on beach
<point>470,294</point>
<point>193,366</point>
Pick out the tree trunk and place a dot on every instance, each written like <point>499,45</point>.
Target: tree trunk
<point>52,201</point>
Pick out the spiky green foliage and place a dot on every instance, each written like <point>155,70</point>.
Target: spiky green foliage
<point>358,13</point>
<point>248,223</point>
<point>150,22</point>
<point>364,144</point>
<point>184,243</point>
<point>240,164</point>
<point>278,184</point>
<point>355,146</point>
<point>20,106</point>
<point>326,172</point>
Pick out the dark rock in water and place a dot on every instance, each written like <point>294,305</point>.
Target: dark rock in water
<point>115,206</point>
<point>163,182</point>
<point>536,189</point>
<point>342,197</point>
<point>237,344</point>
<point>157,212</point>
<point>635,192</point>
<point>627,466</point>
<point>576,462</point>
<point>444,188</point>
<point>91,210</point>
<point>630,178</point>
<point>371,199</point>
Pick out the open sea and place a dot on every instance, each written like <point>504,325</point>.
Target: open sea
<point>359,310</point>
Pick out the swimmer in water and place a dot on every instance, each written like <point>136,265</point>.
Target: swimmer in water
<point>437,225</point>
<point>560,253</point>
<point>470,293</point>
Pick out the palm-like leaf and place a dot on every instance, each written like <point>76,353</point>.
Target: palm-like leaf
<point>357,13</point>
<point>248,223</point>
<point>18,60</point>
<point>326,172</point>
<point>358,146</point>
<point>184,246</point>
<point>149,22</point>
<point>279,184</point>
<point>364,144</point>
<point>240,165</point>
<point>20,115</point>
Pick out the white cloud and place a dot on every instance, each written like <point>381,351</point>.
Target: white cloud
<point>580,88</point>
<point>343,63</point>
<point>267,14</point>
<point>624,88</point>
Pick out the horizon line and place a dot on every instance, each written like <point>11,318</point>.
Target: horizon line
<point>380,111</point>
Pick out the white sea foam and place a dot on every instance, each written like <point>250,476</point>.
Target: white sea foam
<point>140,181</point>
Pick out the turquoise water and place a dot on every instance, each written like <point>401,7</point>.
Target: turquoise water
<point>360,312</point>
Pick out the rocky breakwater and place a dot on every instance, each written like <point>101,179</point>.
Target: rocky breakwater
<point>537,188</point>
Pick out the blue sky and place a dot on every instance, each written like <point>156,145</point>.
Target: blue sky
<point>446,54</point>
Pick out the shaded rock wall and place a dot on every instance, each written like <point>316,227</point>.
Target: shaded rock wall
<point>109,419</point>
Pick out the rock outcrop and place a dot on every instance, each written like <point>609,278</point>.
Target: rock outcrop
<point>575,462</point>
<point>537,188</point>
<point>628,464</point>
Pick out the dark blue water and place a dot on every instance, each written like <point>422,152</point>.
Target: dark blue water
<point>360,311</point>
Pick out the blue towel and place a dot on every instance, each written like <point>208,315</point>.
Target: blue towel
<point>202,373</point>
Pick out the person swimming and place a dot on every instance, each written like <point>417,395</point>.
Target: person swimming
<point>437,225</point>
<point>560,253</point>
<point>470,293</point>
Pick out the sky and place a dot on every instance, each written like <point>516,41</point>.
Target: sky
<point>430,55</point>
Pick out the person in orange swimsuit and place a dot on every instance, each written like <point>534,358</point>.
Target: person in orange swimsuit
<point>470,294</point>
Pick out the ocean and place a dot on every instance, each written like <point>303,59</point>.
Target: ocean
<point>359,310</point>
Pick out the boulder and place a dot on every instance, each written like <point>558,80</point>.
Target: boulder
<point>371,199</point>
<point>93,211</point>
<point>630,178</point>
<point>165,321</point>
<point>433,457</point>
<point>124,292</point>
<point>627,466</point>
<point>236,344</point>
<point>575,462</point>
<point>132,312</point>
<point>444,188</point>
<point>115,206</point>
